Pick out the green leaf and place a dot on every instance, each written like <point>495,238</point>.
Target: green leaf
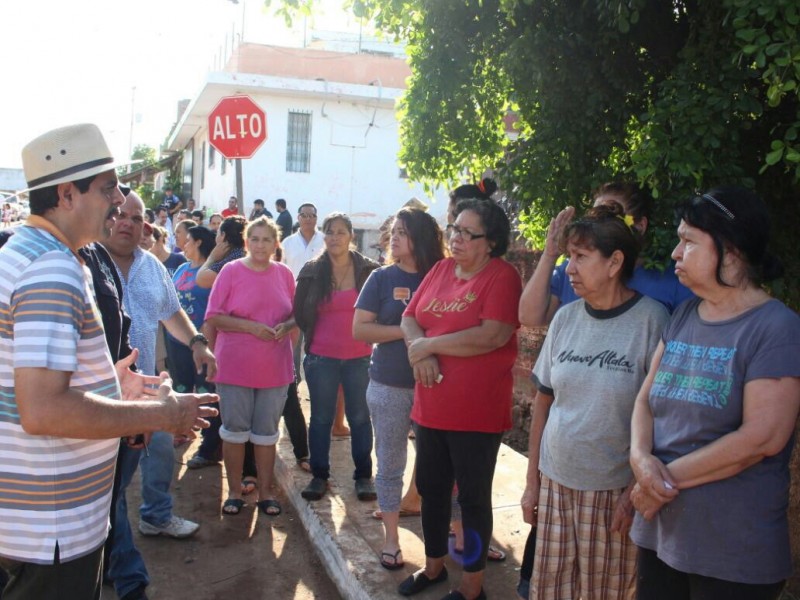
<point>773,157</point>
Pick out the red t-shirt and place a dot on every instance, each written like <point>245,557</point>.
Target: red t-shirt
<point>475,392</point>
<point>229,212</point>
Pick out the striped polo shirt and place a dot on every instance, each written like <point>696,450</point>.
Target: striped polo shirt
<point>53,490</point>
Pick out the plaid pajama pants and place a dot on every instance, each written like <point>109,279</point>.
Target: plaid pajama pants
<point>577,555</point>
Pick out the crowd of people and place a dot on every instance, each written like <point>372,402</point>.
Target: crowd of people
<point>662,425</point>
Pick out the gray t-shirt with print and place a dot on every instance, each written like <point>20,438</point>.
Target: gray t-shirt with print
<point>594,362</point>
<point>736,528</point>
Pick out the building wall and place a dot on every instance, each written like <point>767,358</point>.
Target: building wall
<point>354,146</point>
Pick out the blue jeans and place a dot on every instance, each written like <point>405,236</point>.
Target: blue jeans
<point>185,379</point>
<point>126,565</point>
<point>323,376</point>
<point>157,468</point>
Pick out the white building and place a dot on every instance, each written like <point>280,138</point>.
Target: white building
<point>332,134</point>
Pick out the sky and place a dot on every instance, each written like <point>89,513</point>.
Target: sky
<point>113,62</point>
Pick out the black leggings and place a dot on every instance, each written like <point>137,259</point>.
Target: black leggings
<point>658,581</point>
<point>467,458</point>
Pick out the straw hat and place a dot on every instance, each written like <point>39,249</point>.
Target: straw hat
<point>66,154</point>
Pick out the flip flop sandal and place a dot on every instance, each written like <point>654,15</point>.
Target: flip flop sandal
<point>304,464</point>
<point>378,514</point>
<point>494,555</point>
<point>394,564</point>
<point>248,486</point>
<point>265,506</point>
<point>232,506</point>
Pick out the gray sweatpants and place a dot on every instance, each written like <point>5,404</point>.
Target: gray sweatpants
<point>390,411</point>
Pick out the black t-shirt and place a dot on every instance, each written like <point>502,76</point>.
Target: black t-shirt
<point>108,294</point>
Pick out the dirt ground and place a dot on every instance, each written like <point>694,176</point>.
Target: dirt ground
<point>249,554</point>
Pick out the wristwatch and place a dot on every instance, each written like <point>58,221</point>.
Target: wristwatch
<point>198,338</point>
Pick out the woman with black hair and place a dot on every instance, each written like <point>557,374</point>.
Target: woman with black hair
<point>415,245</point>
<point>591,365</point>
<point>713,426</point>
<point>483,190</point>
<point>194,299</point>
<point>460,328</point>
<point>324,304</point>
<point>229,247</point>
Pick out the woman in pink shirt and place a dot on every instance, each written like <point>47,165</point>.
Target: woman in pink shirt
<point>251,309</point>
<point>324,305</point>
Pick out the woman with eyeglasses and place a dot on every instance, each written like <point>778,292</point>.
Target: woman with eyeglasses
<point>713,424</point>
<point>460,329</point>
<point>415,245</point>
<point>324,305</point>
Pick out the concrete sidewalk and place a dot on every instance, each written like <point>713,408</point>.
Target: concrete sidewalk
<point>348,539</point>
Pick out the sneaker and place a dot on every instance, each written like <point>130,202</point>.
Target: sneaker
<point>198,462</point>
<point>365,489</point>
<point>315,489</point>
<point>176,527</point>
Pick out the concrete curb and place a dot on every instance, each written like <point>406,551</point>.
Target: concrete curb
<point>330,550</point>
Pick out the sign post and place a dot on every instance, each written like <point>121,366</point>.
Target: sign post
<point>237,127</point>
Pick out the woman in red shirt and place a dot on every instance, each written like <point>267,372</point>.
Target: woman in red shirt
<point>460,328</point>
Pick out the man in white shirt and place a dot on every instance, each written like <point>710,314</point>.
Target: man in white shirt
<point>307,243</point>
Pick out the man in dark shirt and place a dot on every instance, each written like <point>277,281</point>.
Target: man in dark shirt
<point>284,220</point>
<point>259,210</point>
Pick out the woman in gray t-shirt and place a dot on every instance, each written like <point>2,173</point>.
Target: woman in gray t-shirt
<point>713,423</point>
<point>592,364</point>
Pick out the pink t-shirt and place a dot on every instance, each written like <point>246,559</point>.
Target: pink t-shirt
<point>333,333</point>
<point>266,297</point>
<point>475,392</point>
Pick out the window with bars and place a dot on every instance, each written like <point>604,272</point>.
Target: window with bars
<point>298,142</point>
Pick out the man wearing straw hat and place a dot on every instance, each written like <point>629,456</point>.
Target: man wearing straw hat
<point>61,414</point>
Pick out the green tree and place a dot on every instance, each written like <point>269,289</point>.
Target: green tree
<point>145,154</point>
<point>676,94</point>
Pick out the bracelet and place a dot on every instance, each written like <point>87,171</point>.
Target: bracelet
<point>198,338</point>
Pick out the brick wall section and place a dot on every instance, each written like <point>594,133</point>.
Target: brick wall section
<point>530,341</point>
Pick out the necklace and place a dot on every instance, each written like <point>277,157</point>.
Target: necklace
<point>340,275</point>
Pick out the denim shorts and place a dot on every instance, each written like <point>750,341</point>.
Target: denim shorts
<point>251,414</point>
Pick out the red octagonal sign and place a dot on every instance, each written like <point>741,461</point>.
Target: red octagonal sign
<point>237,127</point>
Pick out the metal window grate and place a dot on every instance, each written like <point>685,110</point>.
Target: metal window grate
<point>298,142</point>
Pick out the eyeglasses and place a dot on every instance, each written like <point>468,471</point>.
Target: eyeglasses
<point>303,215</point>
<point>465,235</point>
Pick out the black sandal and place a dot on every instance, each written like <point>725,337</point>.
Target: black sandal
<point>392,562</point>
<point>265,506</point>
<point>232,506</point>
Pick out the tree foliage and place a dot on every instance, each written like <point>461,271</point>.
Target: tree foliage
<point>145,154</point>
<point>676,94</point>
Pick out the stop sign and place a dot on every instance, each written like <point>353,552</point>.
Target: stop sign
<point>237,127</point>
